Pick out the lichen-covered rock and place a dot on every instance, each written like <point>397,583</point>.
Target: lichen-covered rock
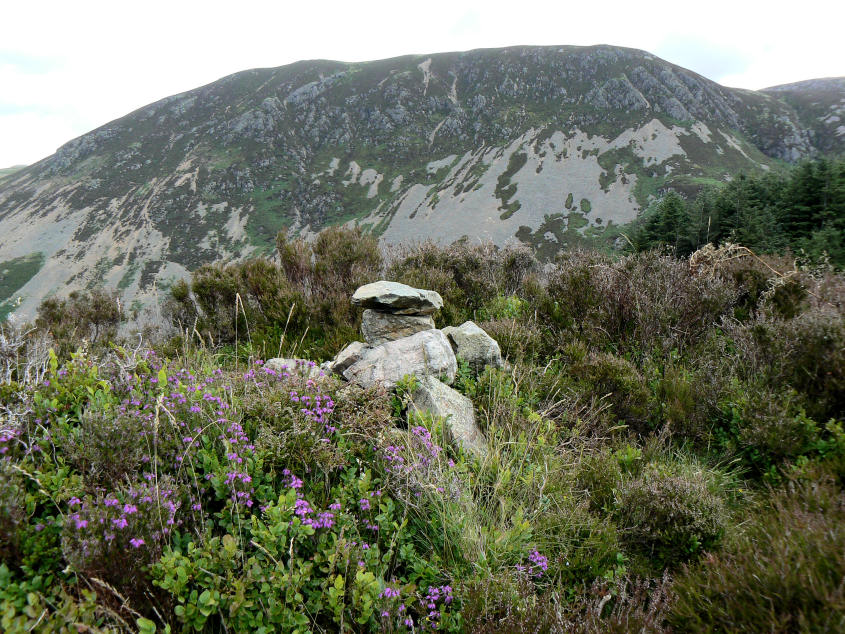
<point>378,327</point>
<point>435,398</point>
<point>301,367</point>
<point>346,357</point>
<point>474,346</point>
<point>397,298</point>
<point>426,353</point>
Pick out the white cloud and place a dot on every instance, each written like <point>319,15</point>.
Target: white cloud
<point>68,67</point>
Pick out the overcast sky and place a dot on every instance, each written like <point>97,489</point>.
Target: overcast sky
<point>67,67</point>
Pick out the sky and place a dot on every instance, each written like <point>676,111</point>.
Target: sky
<point>69,67</point>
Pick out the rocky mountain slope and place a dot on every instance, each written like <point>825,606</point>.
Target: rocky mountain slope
<point>820,105</point>
<point>544,145</point>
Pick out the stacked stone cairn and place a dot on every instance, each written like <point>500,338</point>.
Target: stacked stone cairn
<point>400,340</point>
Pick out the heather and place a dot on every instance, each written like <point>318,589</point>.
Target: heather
<point>667,433</point>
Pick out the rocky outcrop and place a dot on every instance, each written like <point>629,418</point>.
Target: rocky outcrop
<point>426,353</point>
<point>474,346</point>
<point>433,397</point>
<point>398,326</point>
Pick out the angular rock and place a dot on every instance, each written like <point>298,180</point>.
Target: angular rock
<point>346,357</point>
<point>397,298</point>
<point>302,367</point>
<point>426,353</point>
<point>378,327</point>
<point>474,345</point>
<point>437,399</point>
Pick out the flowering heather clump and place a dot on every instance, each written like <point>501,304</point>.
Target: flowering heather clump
<point>536,566</point>
<point>105,535</point>
<point>418,464</point>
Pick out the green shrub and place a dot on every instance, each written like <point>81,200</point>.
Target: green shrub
<point>599,474</point>
<point>467,276</point>
<point>12,513</point>
<point>91,316</point>
<point>613,379</point>
<point>669,515</point>
<point>806,353</point>
<point>301,304</point>
<point>782,573</point>
<point>520,340</point>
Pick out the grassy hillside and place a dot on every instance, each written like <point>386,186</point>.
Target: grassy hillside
<point>8,171</point>
<point>665,453</point>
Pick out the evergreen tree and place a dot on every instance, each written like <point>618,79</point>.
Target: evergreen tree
<point>801,210</point>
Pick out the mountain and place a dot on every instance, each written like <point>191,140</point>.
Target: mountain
<point>544,145</point>
<point>8,171</point>
<point>820,106</point>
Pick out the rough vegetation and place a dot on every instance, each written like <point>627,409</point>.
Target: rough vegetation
<point>665,452</point>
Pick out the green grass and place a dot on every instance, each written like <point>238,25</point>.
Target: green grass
<point>14,274</point>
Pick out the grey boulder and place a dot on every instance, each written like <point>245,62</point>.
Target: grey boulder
<point>437,399</point>
<point>397,298</point>
<point>378,327</point>
<point>426,353</point>
<point>299,367</point>
<point>474,345</point>
<point>346,357</point>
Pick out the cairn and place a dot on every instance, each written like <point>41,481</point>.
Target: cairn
<point>393,311</point>
<point>401,340</point>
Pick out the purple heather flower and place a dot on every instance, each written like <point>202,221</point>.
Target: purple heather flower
<point>137,542</point>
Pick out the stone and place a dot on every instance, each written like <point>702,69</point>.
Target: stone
<point>397,298</point>
<point>302,367</point>
<point>433,397</point>
<point>346,357</point>
<point>426,353</point>
<point>474,346</point>
<point>378,327</point>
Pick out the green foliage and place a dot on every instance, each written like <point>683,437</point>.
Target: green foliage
<point>505,190</point>
<point>782,573</point>
<point>668,515</point>
<point>615,380</point>
<point>467,276</point>
<point>301,304</point>
<point>803,210</point>
<point>14,274</point>
<point>90,316</point>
